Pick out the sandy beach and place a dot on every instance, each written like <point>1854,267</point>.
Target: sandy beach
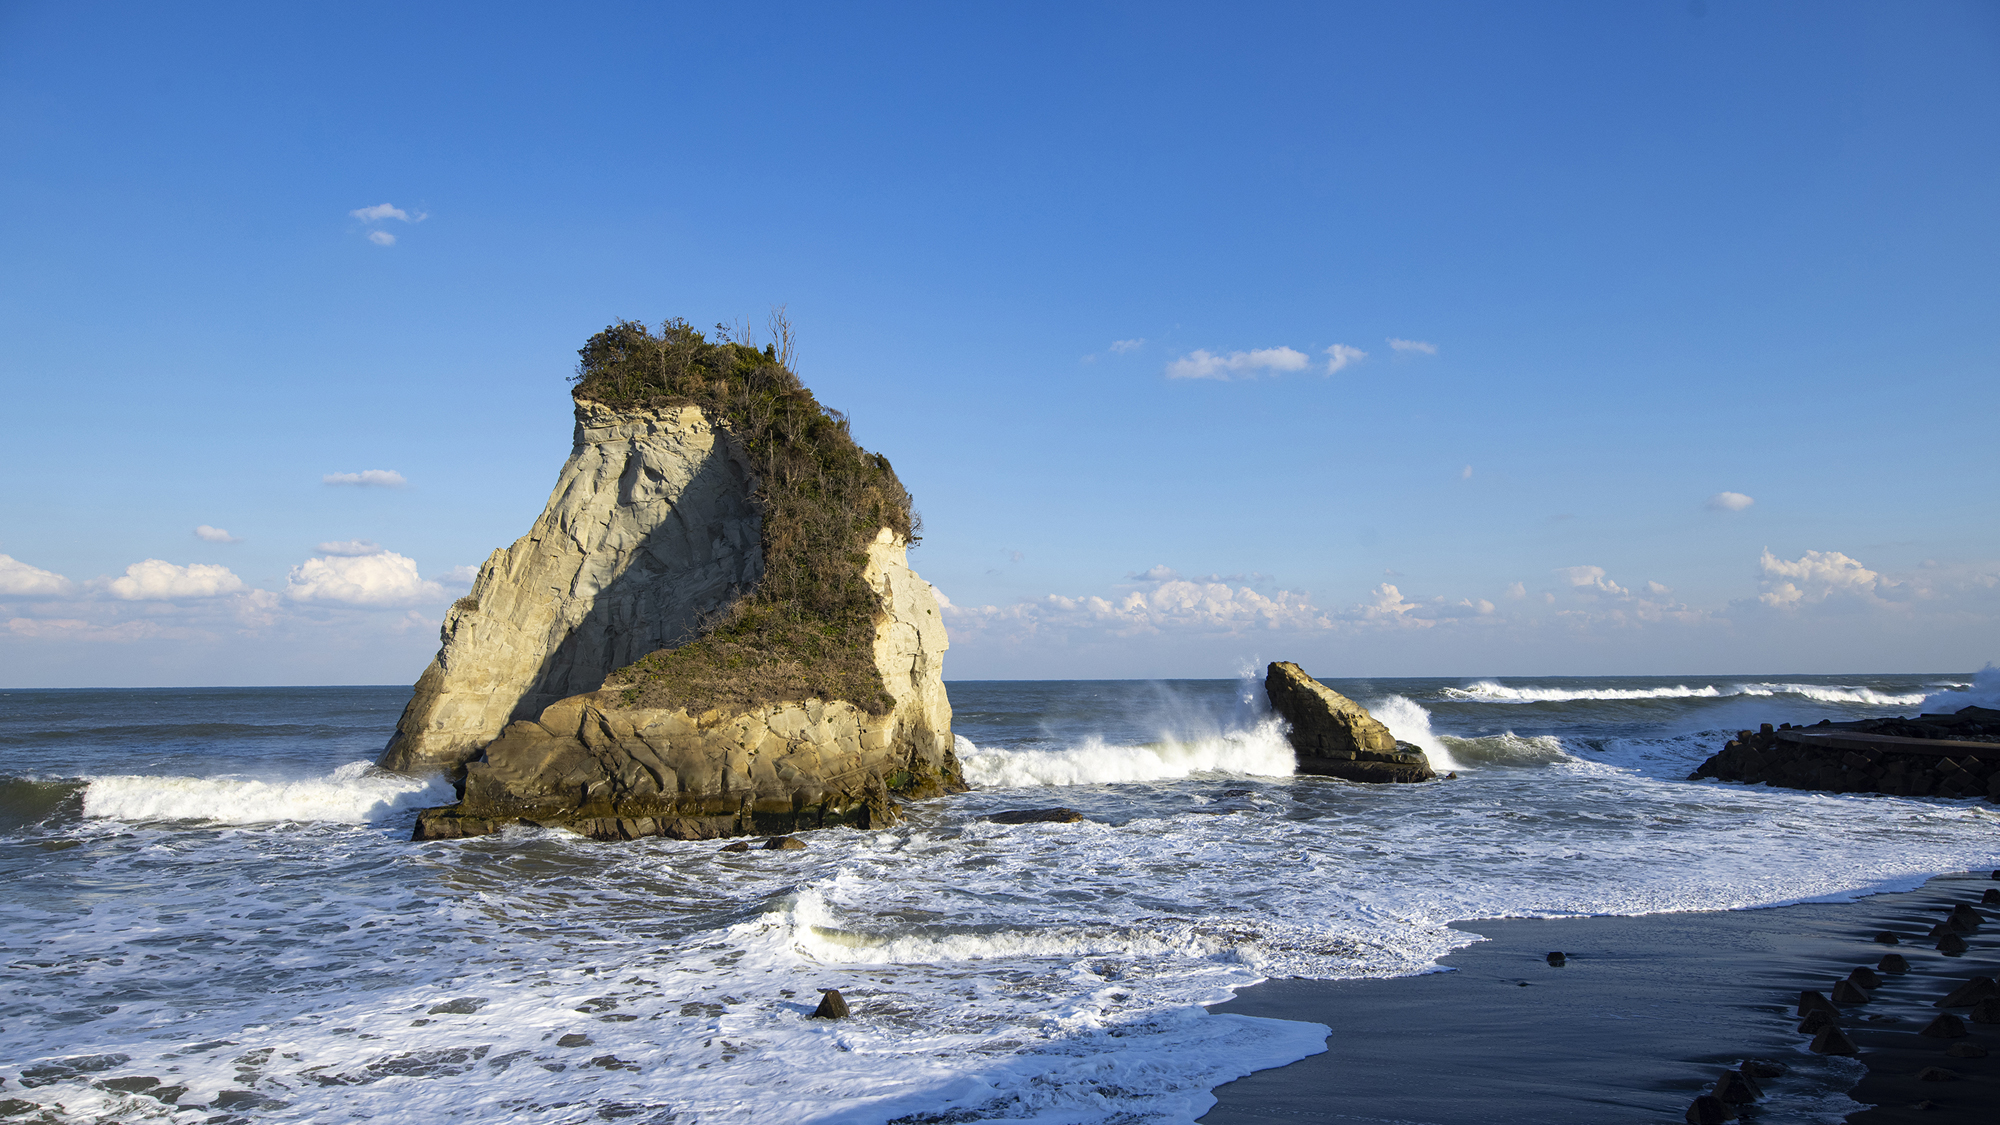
<point>1645,1015</point>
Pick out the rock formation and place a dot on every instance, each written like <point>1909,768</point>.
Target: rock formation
<point>628,668</point>
<point>1333,735</point>
<point>1956,755</point>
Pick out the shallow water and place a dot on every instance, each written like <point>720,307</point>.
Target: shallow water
<point>214,888</point>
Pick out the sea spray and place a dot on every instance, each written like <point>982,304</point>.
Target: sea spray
<point>355,793</point>
<point>1260,751</point>
<point>1410,723</point>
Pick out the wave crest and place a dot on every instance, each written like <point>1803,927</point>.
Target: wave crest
<point>355,793</point>
<point>1489,691</point>
<point>1261,751</point>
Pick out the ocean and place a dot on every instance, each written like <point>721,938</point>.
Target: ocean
<point>213,889</point>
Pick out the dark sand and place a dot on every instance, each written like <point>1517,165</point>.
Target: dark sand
<point>1645,1016</point>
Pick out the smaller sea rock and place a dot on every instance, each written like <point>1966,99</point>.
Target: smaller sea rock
<point>832,1006</point>
<point>1558,960</point>
<point>1951,943</point>
<point>1865,977</point>
<point>574,1039</point>
<point>784,844</point>
<point>1894,963</point>
<point>1035,816</point>
<point>1937,1074</point>
<point>1946,1026</point>
<point>738,846</point>
<point>1812,998</point>
<point>1817,1020</point>
<point>1986,1011</point>
<point>1735,1089</point>
<point>1971,992</point>
<point>1833,1041</point>
<point>1966,1050</point>
<point>463,1006</point>
<point>1991,897</point>
<point>1763,1068</point>
<point>1710,1110</point>
<point>1887,938</point>
<point>1847,992</point>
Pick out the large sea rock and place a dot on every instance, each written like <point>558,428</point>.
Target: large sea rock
<point>653,526</point>
<point>1335,736</point>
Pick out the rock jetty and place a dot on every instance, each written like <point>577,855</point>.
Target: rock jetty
<point>1955,755</point>
<point>1335,736</point>
<point>711,630</point>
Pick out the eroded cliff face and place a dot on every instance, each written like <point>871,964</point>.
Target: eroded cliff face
<point>651,526</point>
<point>590,764</point>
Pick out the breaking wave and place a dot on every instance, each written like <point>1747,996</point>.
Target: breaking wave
<point>1260,751</point>
<point>1983,691</point>
<point>1489,691</point>
<point>355,793</point>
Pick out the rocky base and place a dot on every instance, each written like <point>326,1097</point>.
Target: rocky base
<point>1333,736</point>
<point>1931,756</point>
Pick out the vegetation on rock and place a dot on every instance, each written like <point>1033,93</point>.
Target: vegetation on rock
<point>808,629</point>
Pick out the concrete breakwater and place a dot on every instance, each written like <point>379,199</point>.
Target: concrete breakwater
<point>1956,755</point>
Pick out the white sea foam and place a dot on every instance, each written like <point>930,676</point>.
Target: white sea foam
<point>355,793</point>
<point>1260,751</point>
<point>1489,691</point>
<point>1410,723</point>
<point>1983,691</point>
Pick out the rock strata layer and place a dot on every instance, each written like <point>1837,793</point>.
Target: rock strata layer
<point>651,526</point>
<point>1335,736</point>
<point>1956,755</point>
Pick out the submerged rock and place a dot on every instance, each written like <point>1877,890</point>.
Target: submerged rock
<point>1337,737</point>
<point>1035,816</point>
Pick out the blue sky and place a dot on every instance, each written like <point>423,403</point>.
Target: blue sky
<point>1082,271</point>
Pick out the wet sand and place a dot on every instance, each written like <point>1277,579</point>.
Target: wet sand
<point>1644,1016</point>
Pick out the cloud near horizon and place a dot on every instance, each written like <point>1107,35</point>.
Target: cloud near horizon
<point>368,478</point>
<point>159,580</point>
<point>351,547</point>
<point>1420,347</point>
<point>18,579</point>
<point>383,579</point>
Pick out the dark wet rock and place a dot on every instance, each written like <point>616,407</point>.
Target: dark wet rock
<point>1866,977</point>
<point>58,1070</point>
<point>1887,938</point>
<point>1991,897</point>
<point>1946,1026</point>
<point>1847,992</point>
<point>1764,1068</point>
<point>1817,1020</point>
<point>1833,1041</point>
<point>738,846</point>
<point>574,1039</point>
<point>1986,1011</point>
<point>1558,959</point>
<point>1966,918</point>
<point>784,844</point>
<point>1937,1074</point>
<point>1735,1089</point>
<point>1334,736</point>
<point>1894,963</point>
<point>1966,1050</point>
<point>1036,816</point>
<point>463,1006</point>
<point>832,1006</point>
<point>16,1107</point>
<point>1813,998</point>
<point>1710,1110</point>
<point>1971,992</point>
<point>244,1099</point>
<point>613,1062</point>
<point>136,1084</point>
<point>1951,943</point>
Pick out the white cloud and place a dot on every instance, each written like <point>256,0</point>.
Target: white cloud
<point>1813,578</point>
<point>1658,590</point>
<point>1517,591</point>
<point>1421,347</point>
<point>385,579</point>
<point>1123,346</point>
<point>381,238</point>
<point>1465,473</point>
<point>1200,364</point>
<point>1389,604</point>
<point>1729,501</point>
<point>214,535</point>
<point>458,576</point>
<point>1340,355</point>
<point>382,211</point>
<point>71,629</point>
<point>368,478</point>
<point>20,579</point>
<point>351,547</point>
<point>157,580</point>
<point>1591,577</point>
